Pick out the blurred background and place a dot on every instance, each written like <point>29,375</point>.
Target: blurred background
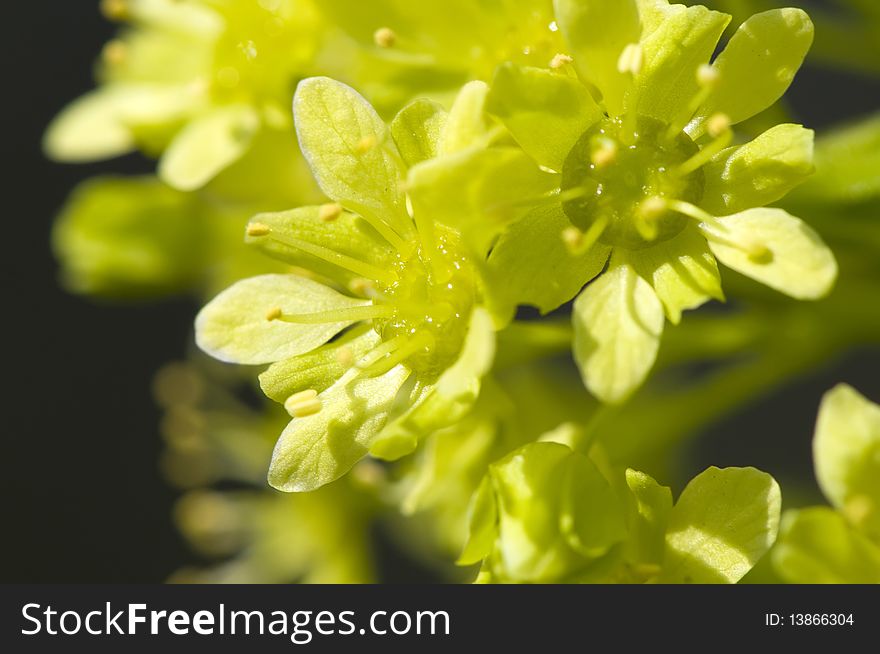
<point>83,496</point>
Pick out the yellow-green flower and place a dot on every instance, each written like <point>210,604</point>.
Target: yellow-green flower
<point>635,122</point>
<point>201,82</point>
<point>384,340</point>
<point>841,544</point>
<point>549,514</point>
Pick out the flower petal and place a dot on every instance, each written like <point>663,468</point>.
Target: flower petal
<point>347,146</point>
<point>233,326</point>
<point>818,546</point>
<point>530,264</point>
<point>449,398</point>
<point>545,112</point>
<point>597,31</point>
<point>682,271</point>
<point>790,257</point>
<point>757,65</point>
<point>759,172</point>
<point>317,449</point>
<point>846,451</point>
<point>417,130</point>
<point>680,44</point>
<point>617,320</point>
<point>466,124</point>
<point>725,520</point>
<point>207,146</point>
<point>650,507</point>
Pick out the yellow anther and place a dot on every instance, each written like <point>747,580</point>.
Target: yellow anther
<point>631,59</point>
<point>274,314</point>
<point>330,212</point>
<point>258,229</point>
<point>708,76</point>
<point>718,124</point>
<point>366,144</point>
<point>758,252</point>
<point>604,153</point>
<point>384,37</point>
<point>345,356</point>
<point>560,60</point>
<point>114,9</point>
<point>573,239</point>
<point>858,508</point>
<point>115,52</point>
<point>303,408</point>
<point>361,286</point>
<point>368,473</point>
<point>652,209</point>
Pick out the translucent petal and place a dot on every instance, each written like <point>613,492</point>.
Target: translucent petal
<point>818,546</point>
<point>846,451</point>
<point>617,320</point>
<point>759,172</point>
<point>466,124</point>
<point>417,130</point>
<point>530,264</point>
<point>207,145</point>
<point>350,151</point>
<point>725,520</point>
<point>682,271</point>
<point>776,249</point>
<point>545,112</point>
<point>233,326</point>
<point>597,31</point>
<point>757,65</point>
<point>320,448</point>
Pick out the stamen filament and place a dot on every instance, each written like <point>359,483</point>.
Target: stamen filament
<point>351,264</point>
<point>578,242</point>
<point>703,156</point>
<point>387,361</point>
<point>350,314</point>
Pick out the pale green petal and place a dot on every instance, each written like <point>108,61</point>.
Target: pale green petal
<point>348,235</point>
<point>482,524</point>
<point>208,145</point>
<point>449,398</point>
<point>673,51</point>
<point>776,249</point>
<point>546,112</point>
<point>530,264</point>
<point>650,509</point>
<point>759,172</point>
<point>320,368</point>
<point>417,130</point>
<point>725,520</point>
<point>350,151</point>
<point>233,326</point>
<point>757,65</point>
<point>682,271</point>
<point>846,451</point>
<point>617,320</point>
<point>818,546</point>
<point>597,31</point>
<point>466,125</point>
<point>478,191</point>
<point>317,449</point>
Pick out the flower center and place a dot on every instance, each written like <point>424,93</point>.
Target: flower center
<point>432,299</point>
<point>616,173</point>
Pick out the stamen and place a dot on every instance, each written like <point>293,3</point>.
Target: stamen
<point>326,254</point>
<point>720,125</point>
<point>366,144</point>
<point>330,212</point>
<point>345,356</point>
<point>604,152</point>
<point>708,78</point>
<point>384,37</point>
<point>631,59</point>
<point>411,345</point>
<point>115,52</point>
<point>303,407</point>
<point>361,286</point>
<point>577,242</point>
<point>350,314</point>
<point>303,403</point>
<point>560,60</point>
<point>648,215</point>
<point>114,9</point>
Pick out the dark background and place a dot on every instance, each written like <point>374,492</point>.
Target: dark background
<point>82,498</point>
